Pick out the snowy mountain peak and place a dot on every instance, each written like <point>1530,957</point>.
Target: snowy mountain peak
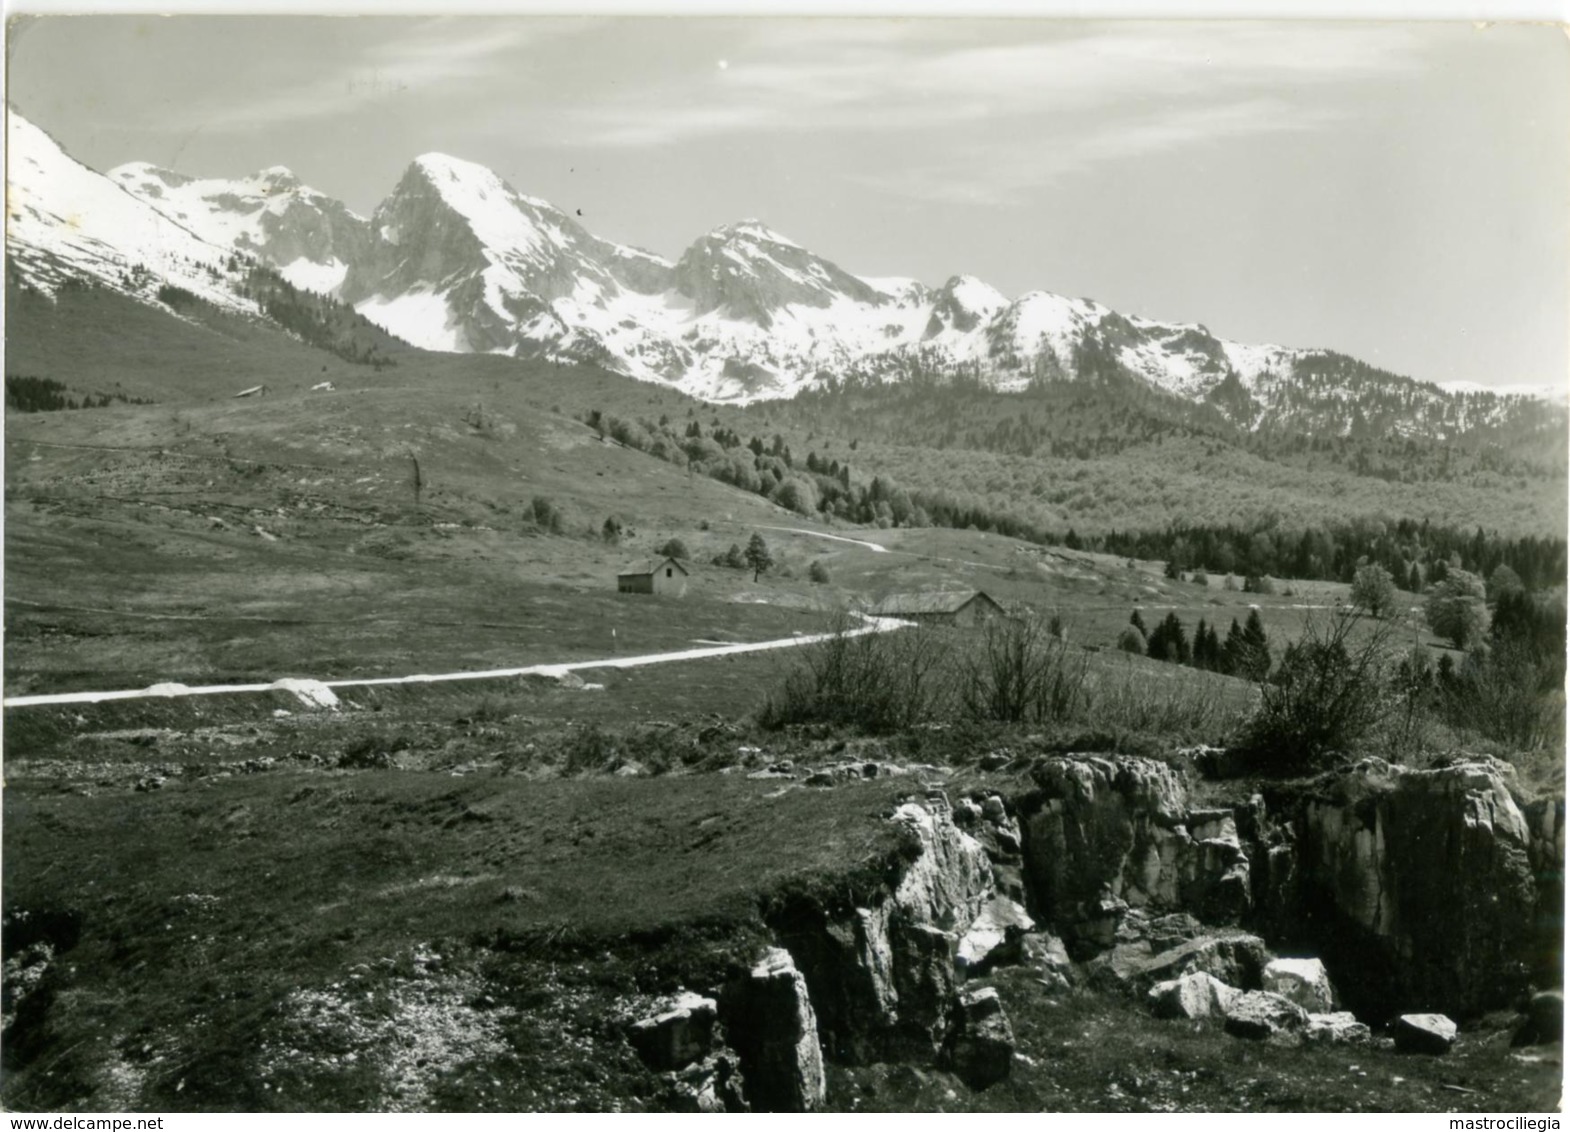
<point>67,222</point>
<point>755,230</point>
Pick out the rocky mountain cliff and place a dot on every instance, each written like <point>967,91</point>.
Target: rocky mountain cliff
<point>455,259</point>
<point>308,236</point>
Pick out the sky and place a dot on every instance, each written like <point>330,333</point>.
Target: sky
<point>1394,190</point>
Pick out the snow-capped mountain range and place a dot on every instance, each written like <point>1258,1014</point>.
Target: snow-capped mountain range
<point>455,259</point>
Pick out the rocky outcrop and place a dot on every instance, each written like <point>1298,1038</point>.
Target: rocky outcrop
<point>1424,1033</point>
<point>1099,831</point>
<point>1417,886</point>
<point>981,1050</point>
<point>770,1019</point>
<point>883,974</point>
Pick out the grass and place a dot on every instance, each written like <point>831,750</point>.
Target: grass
<point>206,905</point>
<point>1090,1052</point>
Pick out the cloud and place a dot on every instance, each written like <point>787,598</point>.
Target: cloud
<point>1006,175</point>
<point>1088,92</point>
<point>407,57</point>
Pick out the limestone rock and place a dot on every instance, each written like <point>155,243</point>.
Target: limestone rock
<point>1340,1028</point>
<point>1428,881</point>
<point>770,1022</point>
<point>981,1051</point>
<point>1424,1033</point>
<point>1264,1016</point>
<point>1195,995</point>
<point>711,1085</point>
<point>1304,981</point>
<point>949,879</point>
<point>1121,828</point>
<point>678,1035</point>
<point>994,936</point>
<point>1047,954</point>
<point>1235,958</point>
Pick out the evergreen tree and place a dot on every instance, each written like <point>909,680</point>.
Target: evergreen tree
<point>1139,623</point>
<point>1254,656</point>
<point>1232,650</point>
<point>758,556</point>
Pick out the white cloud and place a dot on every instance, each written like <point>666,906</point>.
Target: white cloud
<point>417,57</point>
<point>1101,90</point>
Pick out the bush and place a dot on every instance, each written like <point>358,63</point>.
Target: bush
<point>1327,694</point>
<point>877,682</point>
<point>733,558</point>
<point>1132,640</point>
<point>611,531</point>
<point>546,515</point>
<point>1022,672</point>
<point>673,548</point>
<point>819,573</point>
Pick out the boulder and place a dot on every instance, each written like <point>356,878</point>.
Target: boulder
<point>1339,1028</point>
<point>771,1024</point>
<point>1424,1033</point>
<point>1304,981</point>
<point>1421,884</point>
<point>681,1033</point>
<point>994,936</point>
<point>1195,995</point>
<point>981,1049</point>
<point>1264,1016</point>
<point>1545,1020</point>
<point>1235,958</point>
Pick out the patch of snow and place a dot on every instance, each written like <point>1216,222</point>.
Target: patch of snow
<point>323,278</point>
<point>421,318</point>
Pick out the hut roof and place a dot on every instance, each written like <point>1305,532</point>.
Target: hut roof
<point>643,566</point>
<point>951,601</point>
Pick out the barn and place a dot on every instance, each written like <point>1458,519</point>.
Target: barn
<point>961,607</point>
<point>652,576</point>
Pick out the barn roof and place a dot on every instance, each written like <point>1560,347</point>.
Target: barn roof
<point>951,601</point>
<point>643,566</point>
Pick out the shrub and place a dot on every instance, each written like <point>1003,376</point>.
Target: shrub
<point>733,558</point>
<point>1327,693</point>
<point>673,548</point>
<point>611,531</point>
<point>546,515</point>
<point>878,682</point>
<point>819,573</point>
<point>1022,672</point>
<point>1132,640</point>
